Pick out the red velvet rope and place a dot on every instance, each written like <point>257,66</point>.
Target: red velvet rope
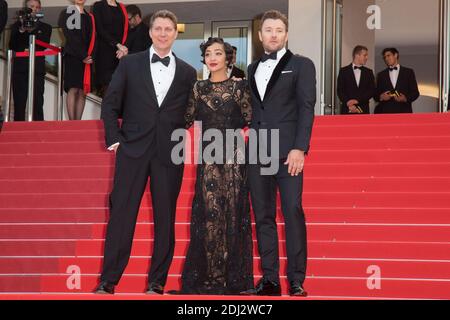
<point>87,67</point>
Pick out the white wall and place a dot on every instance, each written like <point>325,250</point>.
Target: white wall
<point>355,31</point>
<point>305,34</point>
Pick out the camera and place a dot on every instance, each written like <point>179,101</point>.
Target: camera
<point>29,19</point>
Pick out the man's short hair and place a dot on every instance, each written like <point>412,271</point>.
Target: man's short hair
<point>134,10</point>
<point>391,50</point>
<point>165,14</point>
<point>275,15</point>
<point>26,2</point>
<point>234,48</point>
<point>358,49</point>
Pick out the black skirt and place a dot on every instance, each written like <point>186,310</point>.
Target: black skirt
<point>73,73</point>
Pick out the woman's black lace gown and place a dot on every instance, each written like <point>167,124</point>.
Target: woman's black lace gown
<point>220,260</point>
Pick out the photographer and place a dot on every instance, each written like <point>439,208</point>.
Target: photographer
<point>27,24</point>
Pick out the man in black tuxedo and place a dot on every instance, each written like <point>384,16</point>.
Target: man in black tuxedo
<point>396,86</point>
<point>283,89</point>
<point>19,41</point>
<point>356,84</point>
<point>138,37</point>
<point>151,90</point>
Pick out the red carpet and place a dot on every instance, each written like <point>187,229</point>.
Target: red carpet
<point>377,193</point>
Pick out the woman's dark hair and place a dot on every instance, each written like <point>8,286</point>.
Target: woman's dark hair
<point>226,46</point>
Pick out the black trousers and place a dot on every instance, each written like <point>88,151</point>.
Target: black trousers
<point>20,94</point>
<point>263,190</point>
<point>130,179</point>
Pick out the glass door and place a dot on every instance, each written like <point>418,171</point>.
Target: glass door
<point>238,34</point>
<point>331,55</point>
<point>187,45</point>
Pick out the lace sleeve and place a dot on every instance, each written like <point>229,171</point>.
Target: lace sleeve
<point>245,101</point>
<point>191,111</point>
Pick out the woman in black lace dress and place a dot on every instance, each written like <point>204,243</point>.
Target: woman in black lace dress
<point>219,260</point>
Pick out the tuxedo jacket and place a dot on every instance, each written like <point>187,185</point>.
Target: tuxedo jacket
<point>288,104</point>
<point>348,89</point>
<point>145,124</point>
<point>406,84</point>
<point>139,39</point>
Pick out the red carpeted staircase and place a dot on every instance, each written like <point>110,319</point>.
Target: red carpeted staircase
<point>377,202</point>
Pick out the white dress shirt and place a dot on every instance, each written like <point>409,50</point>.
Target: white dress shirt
<point>162,77</point>
<point>265,71</point>
<point>357,73</point>
<point>394,75</point>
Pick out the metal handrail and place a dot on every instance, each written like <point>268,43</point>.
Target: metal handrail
<point>31,71</point>
<point>31,77</point>
<point>10,58</point>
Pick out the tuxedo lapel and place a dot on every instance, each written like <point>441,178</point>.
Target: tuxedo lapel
<point>277,72</point>
<point>147,76</point>
<point>253,80</point>
<point>387,77</point>
<point>401,74</point>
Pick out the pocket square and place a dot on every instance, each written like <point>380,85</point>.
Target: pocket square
<point>287,71</point>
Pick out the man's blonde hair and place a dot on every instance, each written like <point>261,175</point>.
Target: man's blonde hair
<point>165,14</point>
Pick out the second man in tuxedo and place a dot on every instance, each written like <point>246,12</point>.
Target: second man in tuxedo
<point>283,89</point>
<point>151,90</point>
<point>396,86</point>
<point>356,84</point>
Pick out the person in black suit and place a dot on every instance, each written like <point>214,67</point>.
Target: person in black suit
<point>19,42</point>
<point>151,89</point>
<point>283,87</point>
<point>3,14</point>
<point>139,39</point>
<point>234,71</point>
<point>78,59</point>
<point>356,84</point>
<point>396,86</point>
<point>111,20</point>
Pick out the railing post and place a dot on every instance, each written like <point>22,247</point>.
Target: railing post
<point>31,72</point>
<point>60,104</point>
<point>9,66</point>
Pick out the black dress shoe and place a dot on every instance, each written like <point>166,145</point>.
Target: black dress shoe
<point>265,288</point>
<point>104,288</point>
<point>155,288</point>
<point>296,290</point>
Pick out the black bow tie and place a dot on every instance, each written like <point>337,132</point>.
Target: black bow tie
<point>165,61</point>
<point>272,56</point>
<point>392,69</point>
<point>356,67</point>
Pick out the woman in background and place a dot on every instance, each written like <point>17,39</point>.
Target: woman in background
<point>78,53</point>
<point>111,20</point>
